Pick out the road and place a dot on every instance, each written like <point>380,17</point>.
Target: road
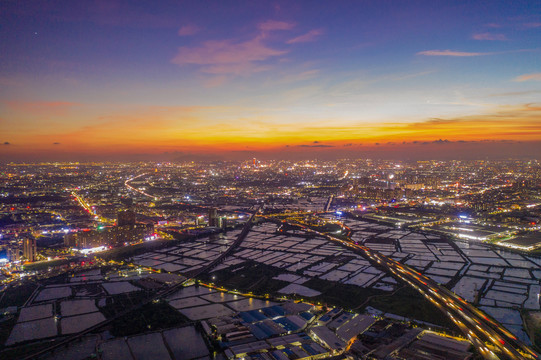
<point>479,329</point>
<point>89,209</point>
<point>127,184</point>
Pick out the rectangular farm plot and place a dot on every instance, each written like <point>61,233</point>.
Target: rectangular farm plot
<point>186,343</point>
<point>76,307</point>
<point>335,275</point>
<point>32,330</point>
<point>467,286</point>
<point>191,291</point>
<point>505,296</point>
<point>35,312</point>
<point>441,272</point>
<point>119,287</point>
<point>74,324</point>
<point>249,304</point>
<point>53,293</point>
<point>149,262</point>
<point>489,261</point>
<point>206,312</point>
<point>148,347</point>
<point>115,349</point>
<point>360,279</point>
<point>188,302</point>
<point>520,273</point>
<point>169,267</point>
<point>219,297</point>
<point>533,298</point>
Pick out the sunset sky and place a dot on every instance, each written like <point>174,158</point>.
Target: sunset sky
<point>181,80</point>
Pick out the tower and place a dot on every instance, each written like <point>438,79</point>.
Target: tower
<point>14,253</point>
<point>213,217</point>
<point>224,223</point>
<point>30,249</point>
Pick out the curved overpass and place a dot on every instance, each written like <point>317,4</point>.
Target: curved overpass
<point>471,321</point>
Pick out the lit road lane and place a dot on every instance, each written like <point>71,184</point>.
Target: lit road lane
<point>89,209</point>
<point>462,320</point>
<point>127,184</point>
<point>498,331</point>
<point>468,315</point>
<point>489,330</point>
<point>476,314</point>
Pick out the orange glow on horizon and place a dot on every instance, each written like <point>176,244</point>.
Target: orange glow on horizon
<point>202,130</point>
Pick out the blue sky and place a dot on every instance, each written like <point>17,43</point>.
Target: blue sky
<point>274,74</point>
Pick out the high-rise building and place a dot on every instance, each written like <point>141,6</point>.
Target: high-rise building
<point>213,217</point>
<point>30,249</point>
<point>14,253</point>
<point>223,224</point>
<point>125,218</point>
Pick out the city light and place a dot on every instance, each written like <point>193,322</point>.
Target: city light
<point>270,180</point>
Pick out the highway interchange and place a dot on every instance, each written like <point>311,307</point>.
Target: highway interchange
<point>478,328</point>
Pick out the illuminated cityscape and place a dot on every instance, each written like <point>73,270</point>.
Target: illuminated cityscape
<point>257,252</point>
<point>270,180</point>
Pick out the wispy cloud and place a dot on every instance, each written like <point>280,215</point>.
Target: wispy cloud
<point>227,56</point>
<point>233,57</point>
<point>188,30</point>
<point>529,77</point>
<point>446,141</point>
<point>440,141</point>
<point>240,57</point>
<point>533,25</point>
<point>316,146</point>
<point>311,35</point>
<point>511,122</point>
<point>516,93</point>
<point>271,25</point>
<point>489,36</point>
<point>466,53</point>
<point>451,53</point>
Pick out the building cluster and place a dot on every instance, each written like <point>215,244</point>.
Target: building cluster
<point>27,252</point>
<point>126,231</point>
<point>108,237</point>
<point>431,217</point>
<point>83,204</point>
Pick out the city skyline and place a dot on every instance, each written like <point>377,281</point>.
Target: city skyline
<point>214,80</point>
<point>286,259</point>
